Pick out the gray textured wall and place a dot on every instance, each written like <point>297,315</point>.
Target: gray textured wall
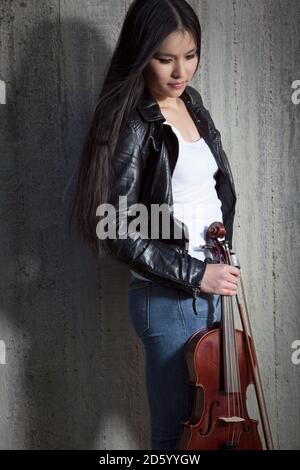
<point>71,368</point>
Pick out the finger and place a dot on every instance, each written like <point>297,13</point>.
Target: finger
<point>229,292</point>
<point>232,286</point>
<point>235,271</point>
<point>233,281</point>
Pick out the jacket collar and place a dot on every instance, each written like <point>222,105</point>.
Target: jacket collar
<point>150,109</point>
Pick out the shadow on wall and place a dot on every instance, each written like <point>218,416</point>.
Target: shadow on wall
<point>74,365</point>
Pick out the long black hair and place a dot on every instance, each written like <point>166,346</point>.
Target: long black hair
<point>147,23</point>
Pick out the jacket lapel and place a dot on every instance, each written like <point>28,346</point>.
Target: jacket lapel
<point>150,112</point>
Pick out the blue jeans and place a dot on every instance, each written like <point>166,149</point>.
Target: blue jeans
<point>164,319</point>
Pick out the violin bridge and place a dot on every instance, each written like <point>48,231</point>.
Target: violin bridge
<point>231,419</point>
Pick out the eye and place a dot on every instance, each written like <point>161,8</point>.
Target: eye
<point>167,61</point>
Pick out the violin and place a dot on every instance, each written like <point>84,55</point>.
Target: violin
<point>221,363</point>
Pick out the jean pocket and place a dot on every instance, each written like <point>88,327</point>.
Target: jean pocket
<point>138,306</point>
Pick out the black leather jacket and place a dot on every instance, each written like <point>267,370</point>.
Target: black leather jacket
<point>143,164</point>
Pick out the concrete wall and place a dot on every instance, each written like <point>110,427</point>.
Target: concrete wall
<point>71,368</point>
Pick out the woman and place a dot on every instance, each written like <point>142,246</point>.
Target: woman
<point>152,142</point>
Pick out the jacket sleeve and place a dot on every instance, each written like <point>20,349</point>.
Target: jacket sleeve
<point>158,261</point>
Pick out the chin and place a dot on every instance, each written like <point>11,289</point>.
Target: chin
<point>177,92</point>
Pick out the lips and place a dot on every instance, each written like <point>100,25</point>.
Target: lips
<point>177,86</point>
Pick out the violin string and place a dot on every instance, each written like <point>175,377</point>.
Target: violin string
<point>237,375</point>
<point>238,381</point>
<point>236,390</point>
<point>240,398</point>
<point>230,382</point>
<point>232,363</point>
<point>233,384</point>
<point>231,367</point>
<point>225,353</point>
<point>227,363</point>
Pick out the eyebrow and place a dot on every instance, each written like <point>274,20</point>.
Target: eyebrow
<point>171,55</point>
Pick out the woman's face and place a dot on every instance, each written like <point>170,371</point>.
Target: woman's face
<point>175,61</point>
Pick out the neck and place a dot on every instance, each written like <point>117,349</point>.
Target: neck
<point>168,102</point>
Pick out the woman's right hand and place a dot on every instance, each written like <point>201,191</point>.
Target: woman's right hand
<point>220,279</point>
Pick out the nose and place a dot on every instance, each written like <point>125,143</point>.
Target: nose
<point>179,70</point>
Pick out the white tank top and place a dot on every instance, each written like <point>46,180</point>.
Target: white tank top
<point>195,201</point>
